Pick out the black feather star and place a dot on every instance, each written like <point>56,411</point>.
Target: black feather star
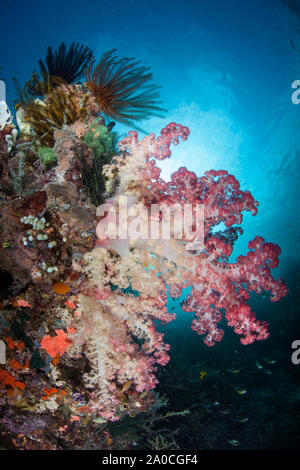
<point>68,64</point>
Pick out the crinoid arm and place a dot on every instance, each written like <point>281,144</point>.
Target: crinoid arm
<point>68,64</point>
<point>123,89</point>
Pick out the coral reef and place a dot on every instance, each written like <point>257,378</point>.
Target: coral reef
<point>79,310</point>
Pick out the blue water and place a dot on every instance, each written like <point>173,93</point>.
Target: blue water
<point>225,69</point>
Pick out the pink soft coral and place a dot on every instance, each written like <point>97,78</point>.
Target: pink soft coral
<point>217,285</point>
<point>129,278</point>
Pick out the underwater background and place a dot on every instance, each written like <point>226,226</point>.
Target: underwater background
<point>226,71</point>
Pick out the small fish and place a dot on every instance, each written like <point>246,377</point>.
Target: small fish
<point>270,361</point>
<point>234,371</point>
<point>242,420</point>
<point>216,403</point>
<point>202,374</point>
<point>234,442</point>
<point>99,420</point>
<point>242,392</point>
<point>269,372</point>
<point>258,365</point>
<point>224,412</point>
<point>126,386</point>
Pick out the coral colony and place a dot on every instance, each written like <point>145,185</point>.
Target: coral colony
<point>84,285</point>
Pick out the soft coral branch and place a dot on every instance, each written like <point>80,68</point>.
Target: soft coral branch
<point>136,273</point>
